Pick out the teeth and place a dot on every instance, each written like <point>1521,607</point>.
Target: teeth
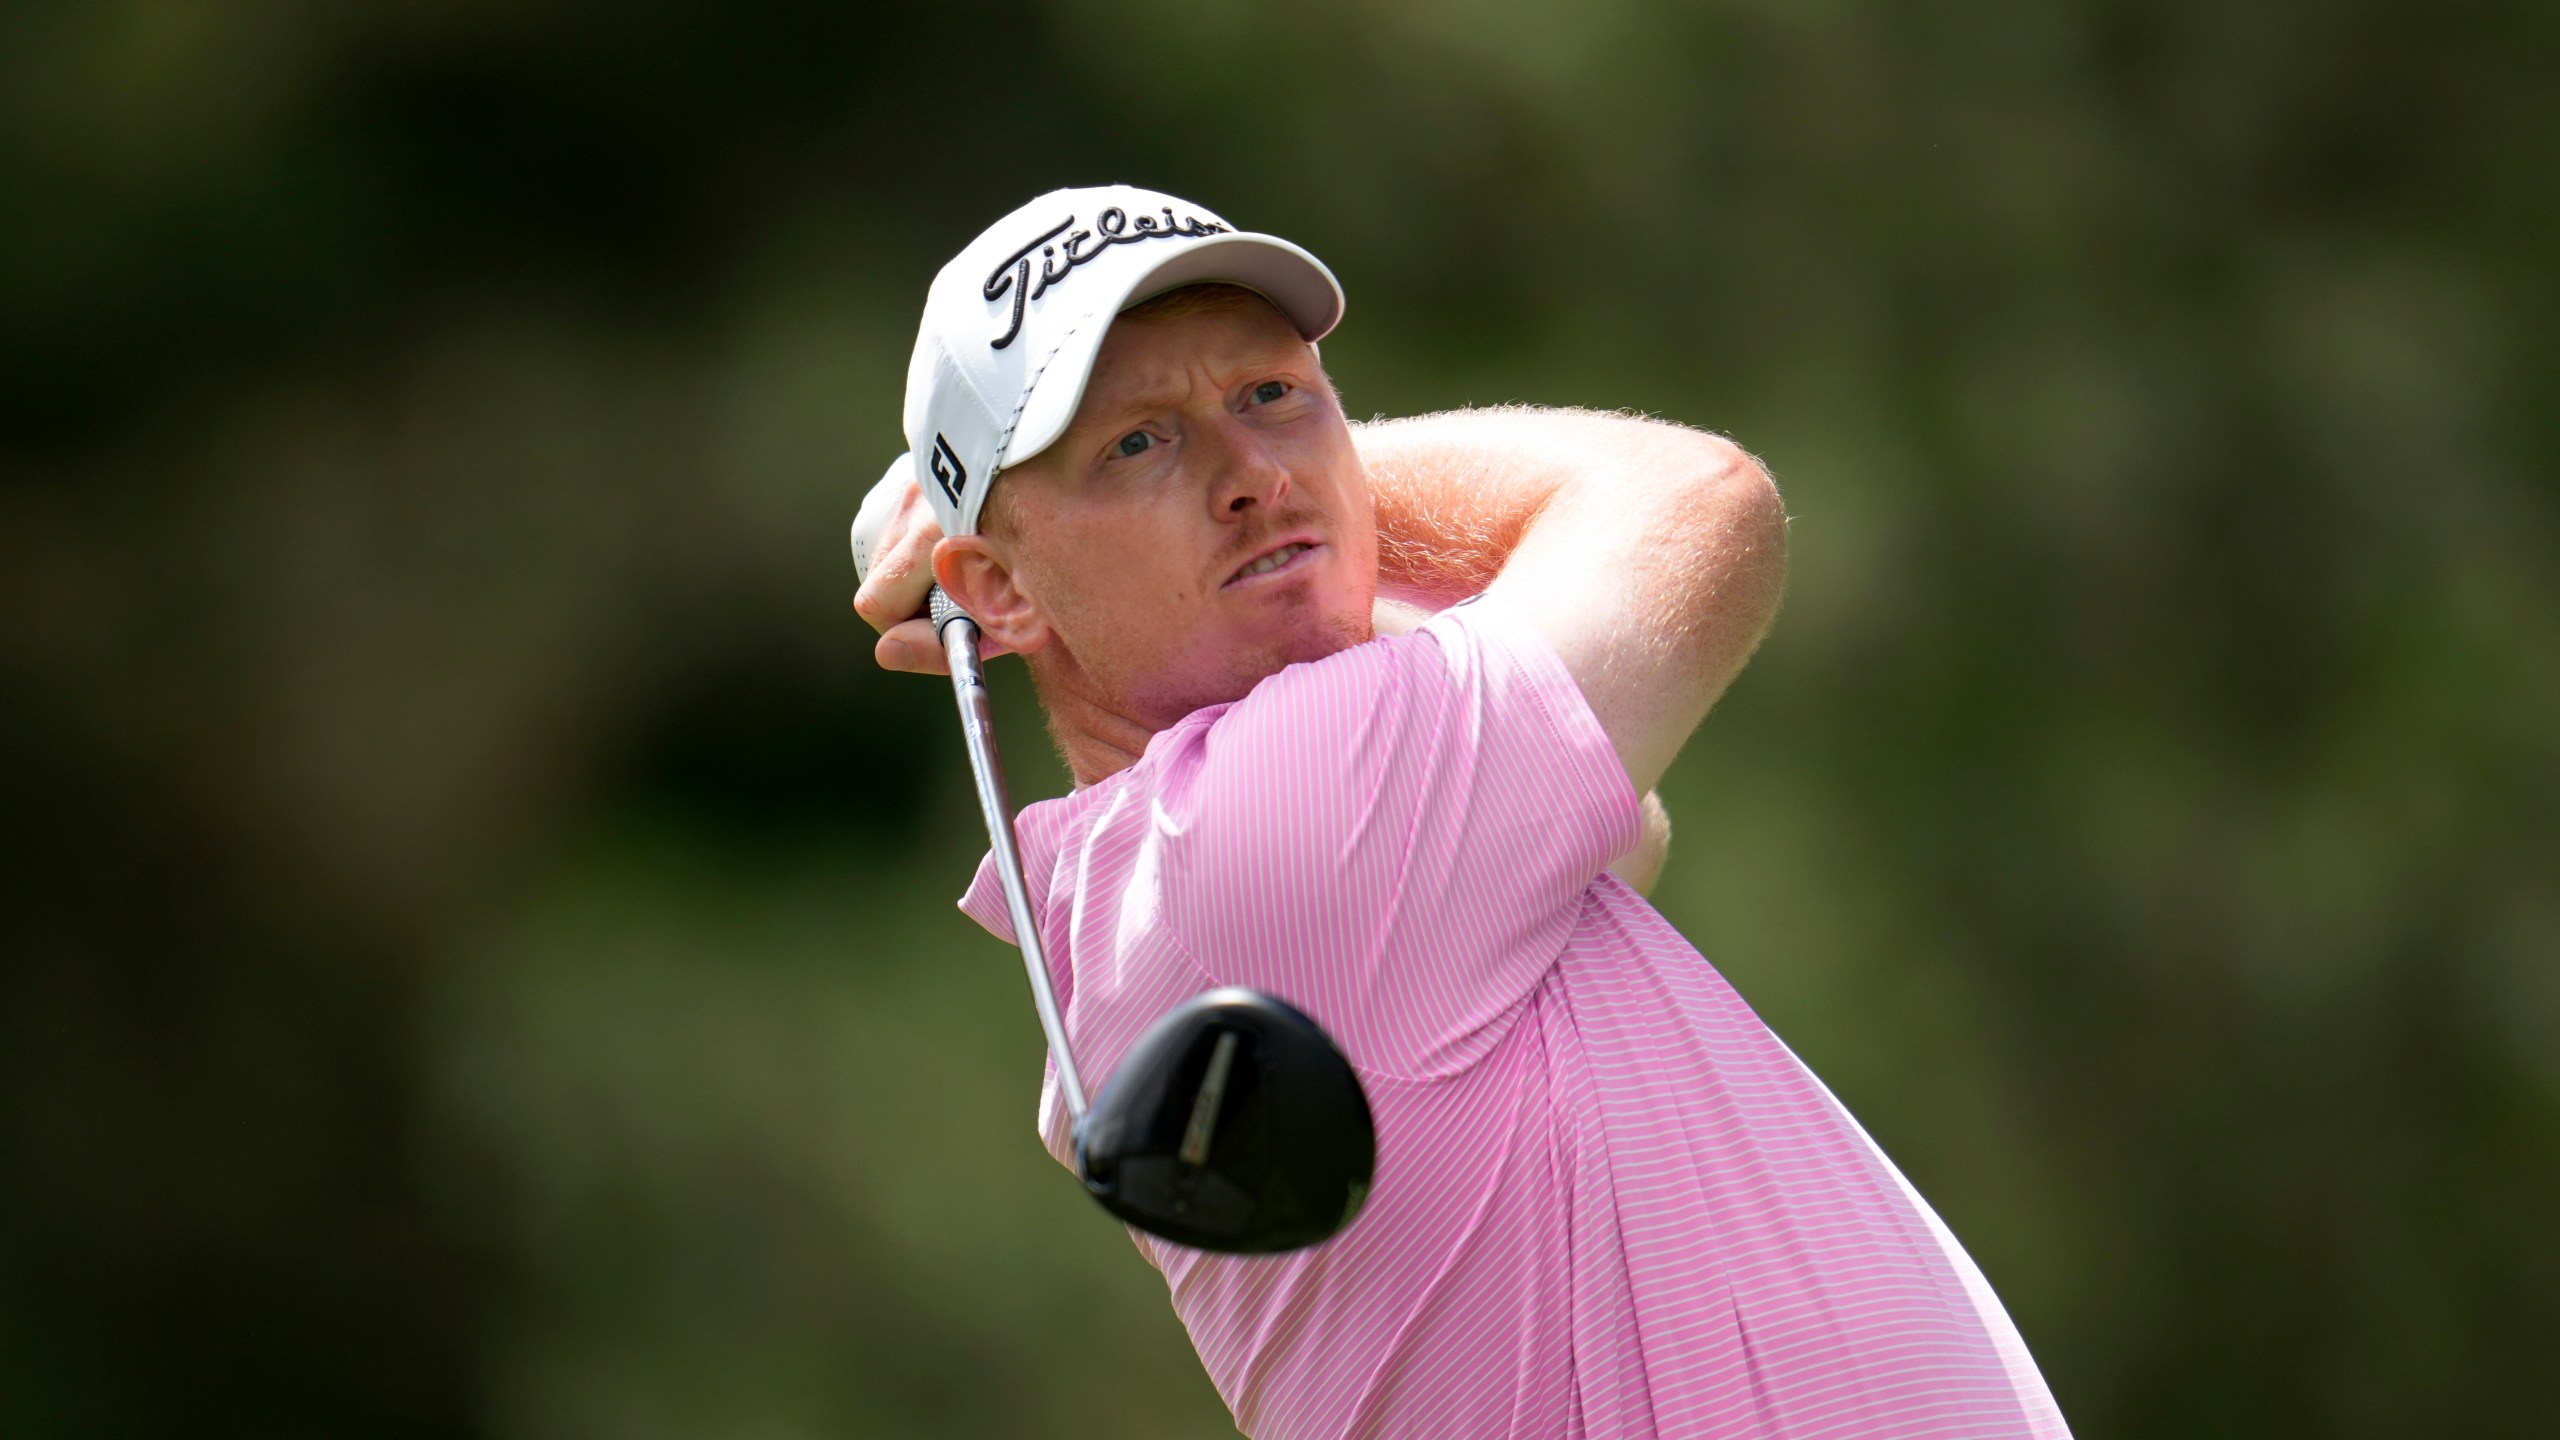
<point>1275,560</point>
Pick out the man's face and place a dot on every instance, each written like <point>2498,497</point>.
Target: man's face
<point>1204,521</point>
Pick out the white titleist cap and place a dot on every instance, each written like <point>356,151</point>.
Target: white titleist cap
<point>1013,323</point>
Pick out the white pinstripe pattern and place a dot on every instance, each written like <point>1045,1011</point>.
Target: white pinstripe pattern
<point>1609,1201</point>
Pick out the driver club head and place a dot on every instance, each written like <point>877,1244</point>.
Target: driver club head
<point>1234,1124</point>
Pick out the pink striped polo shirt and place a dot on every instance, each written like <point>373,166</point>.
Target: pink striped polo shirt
<point>1609,1202</point>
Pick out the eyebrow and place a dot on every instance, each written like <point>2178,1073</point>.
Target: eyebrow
<point>1147,402</point>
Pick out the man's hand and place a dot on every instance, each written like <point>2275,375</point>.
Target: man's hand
<point>897,531</point>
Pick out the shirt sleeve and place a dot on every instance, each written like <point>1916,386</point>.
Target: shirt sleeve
<point>1397,839</point>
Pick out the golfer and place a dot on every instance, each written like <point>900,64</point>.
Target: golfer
<point>1369,717</point>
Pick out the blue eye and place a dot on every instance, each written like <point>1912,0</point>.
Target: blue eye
<point>1268,391</point>
<point>1135,442</point>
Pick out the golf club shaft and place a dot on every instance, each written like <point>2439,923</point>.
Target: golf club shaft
<point>977,725</point>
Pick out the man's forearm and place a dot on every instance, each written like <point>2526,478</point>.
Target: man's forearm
<point>1651,554</point>
<point>1455,491</point>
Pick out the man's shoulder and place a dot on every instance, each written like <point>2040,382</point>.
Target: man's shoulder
<point>1312,708</point>
<point>1363,696</point>
<point>1435,644</point>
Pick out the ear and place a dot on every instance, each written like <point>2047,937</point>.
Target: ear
<point>976,572</point>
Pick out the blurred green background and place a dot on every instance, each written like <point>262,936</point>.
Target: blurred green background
<point>479,952</point>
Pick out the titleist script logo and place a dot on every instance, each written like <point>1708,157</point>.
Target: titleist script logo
<point>1059,258</point>
<point>948,472</point>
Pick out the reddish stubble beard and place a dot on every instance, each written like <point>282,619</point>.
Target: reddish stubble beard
<point>1156,654</point>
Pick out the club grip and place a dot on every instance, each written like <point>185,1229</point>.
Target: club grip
<point>943,609</point>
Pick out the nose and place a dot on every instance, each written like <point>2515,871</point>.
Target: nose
<point>1244,474</point>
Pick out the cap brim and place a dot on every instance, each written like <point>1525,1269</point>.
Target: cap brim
<point>1295,282</point>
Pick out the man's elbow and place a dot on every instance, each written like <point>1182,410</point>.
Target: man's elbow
<point>1738,539</point>
<point>1731,552</point>
<point>1642,866</point>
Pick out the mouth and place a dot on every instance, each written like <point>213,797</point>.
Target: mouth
<point>1278,560</point>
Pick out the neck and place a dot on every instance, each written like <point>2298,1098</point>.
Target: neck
<point>1102,734</point>
<point>1098,737</point>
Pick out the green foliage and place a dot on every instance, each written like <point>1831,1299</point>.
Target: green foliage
<point>480,948</point>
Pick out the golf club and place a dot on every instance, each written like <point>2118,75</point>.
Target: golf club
<point>1234,1123</point>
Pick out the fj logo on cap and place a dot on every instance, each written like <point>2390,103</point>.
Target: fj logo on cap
<point>1059,260</point>
<point>948,472</point>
